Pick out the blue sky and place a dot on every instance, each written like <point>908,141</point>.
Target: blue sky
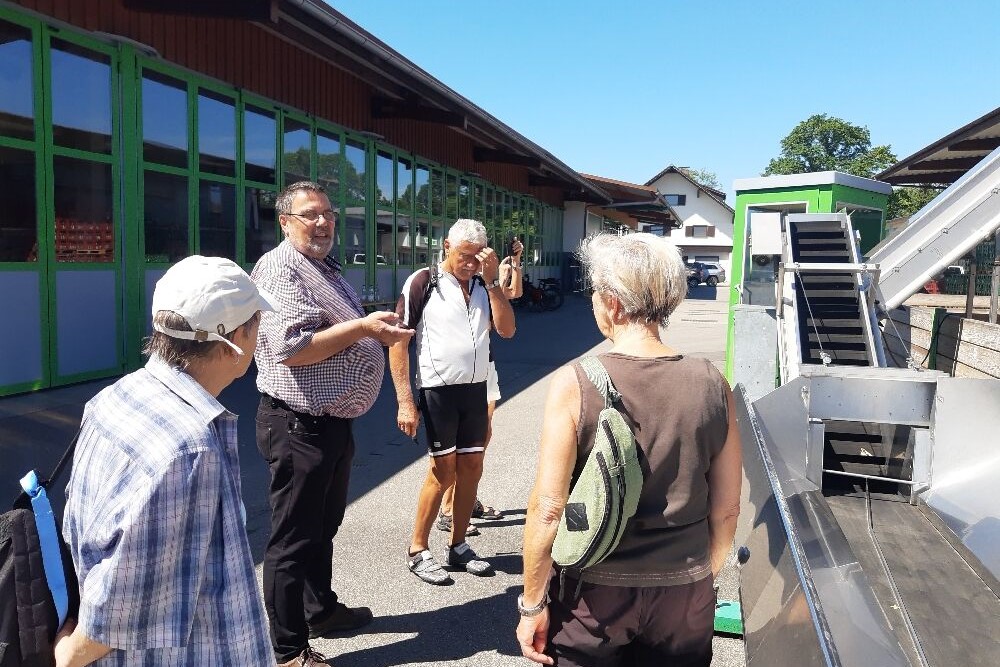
<point>623,89</point>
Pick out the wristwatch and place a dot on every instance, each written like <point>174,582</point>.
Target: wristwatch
<point>528,612</point>
<point>495,283</point>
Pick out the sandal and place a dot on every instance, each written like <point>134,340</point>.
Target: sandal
<point>444,524</point>
<point>481,511</point>
<point>428,569</point>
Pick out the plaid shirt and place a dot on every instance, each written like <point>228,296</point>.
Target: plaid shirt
<point>313,296</point>
<point>154,523</point>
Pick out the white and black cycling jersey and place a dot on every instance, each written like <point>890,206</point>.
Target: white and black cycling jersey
<point>452,337</point>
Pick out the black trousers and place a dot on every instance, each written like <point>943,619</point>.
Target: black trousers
<point>310,463</point>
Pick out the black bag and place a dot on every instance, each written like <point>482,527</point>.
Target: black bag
<point>29,619</point>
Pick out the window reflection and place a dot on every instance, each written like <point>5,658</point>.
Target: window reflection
<point>261,231</point>
<point>165,213</point>
<point>164,120</point>
<point>297,152</point>
<point>422,183</point>
<point>464,200</point>
<point>16,91</point>
<point>451,198</point>
<point>260,130</point>
<point>437,242</point>
<point>81,98</point>
<point>18,216</point>
<point>217,220</point>
<point>437,193</point>
<point>384,218</point>
<point>478,211</point>
<point>404,211</point>
<point>216,134</point>
<point>83,211</point>
<point>355,194</point>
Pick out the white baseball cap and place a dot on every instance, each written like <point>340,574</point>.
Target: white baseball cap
<point>213,294</point>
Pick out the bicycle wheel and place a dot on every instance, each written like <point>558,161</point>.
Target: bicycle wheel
<point>551,299</point>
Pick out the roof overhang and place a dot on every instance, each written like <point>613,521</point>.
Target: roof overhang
<point>810,179</point>
<point>404,89</point>
<point>947,160</point>
<point>641,202</point>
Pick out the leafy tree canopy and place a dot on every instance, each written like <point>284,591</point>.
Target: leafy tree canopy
<point>707,178</point>
<point>904,202</point>
<point>826,143</point>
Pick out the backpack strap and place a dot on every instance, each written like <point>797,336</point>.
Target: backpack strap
<point>48,535</point>
<point>598,374</point>
<point>48,539</point>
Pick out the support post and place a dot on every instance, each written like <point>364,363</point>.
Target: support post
<point>970,293</point>
<point>936,323</point>
<point>995,284</point>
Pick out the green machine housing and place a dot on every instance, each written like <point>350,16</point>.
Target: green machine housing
<point>761,203</point>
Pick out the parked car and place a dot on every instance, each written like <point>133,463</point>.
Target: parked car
<point>359,258</point>
<point>714,273</point>
<point>696,273</point>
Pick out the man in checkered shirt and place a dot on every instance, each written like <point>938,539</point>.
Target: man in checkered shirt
<point>154,519</point>
<point>320,364</point>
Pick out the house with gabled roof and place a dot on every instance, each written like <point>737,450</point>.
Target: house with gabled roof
<point>705,233</point>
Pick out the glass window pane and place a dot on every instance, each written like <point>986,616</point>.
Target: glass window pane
<point>18,213</point>
<point>437,242</point>
<point>464,199</point>
<point>16,83</point>
<point>260,130</point>
<point>404,211</point>
<point>81,98</point>
<point>83,206</point>
<point>216,134</point>
<point>164,120</point>
<point>478,210</point>
<point>451,201</point>
<point>437,193</point>
<point>217,220</point>
<point>423,201</point>
<point>165,212</point>
<point>328,164</point>
<point>385,242</point>
<point>298,152</point>
<point>354,235</point>
<point>261,232</point>
<point>355,187</point>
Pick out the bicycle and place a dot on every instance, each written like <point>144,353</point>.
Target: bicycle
<point>547,295</point>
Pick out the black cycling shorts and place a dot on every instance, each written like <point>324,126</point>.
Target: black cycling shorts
<point>455,418</point>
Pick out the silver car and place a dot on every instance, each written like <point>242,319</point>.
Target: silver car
<point>713,273</point>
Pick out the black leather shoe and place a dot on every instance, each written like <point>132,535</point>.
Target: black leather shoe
<point>341,619</point>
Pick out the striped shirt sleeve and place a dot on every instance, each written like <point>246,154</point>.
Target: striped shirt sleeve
<point>143,593</point>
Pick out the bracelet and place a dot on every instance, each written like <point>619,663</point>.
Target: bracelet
<point>529,612</point>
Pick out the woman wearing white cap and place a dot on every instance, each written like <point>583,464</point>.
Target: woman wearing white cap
<point>154,519</point>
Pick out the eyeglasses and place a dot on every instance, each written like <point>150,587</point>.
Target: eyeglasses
<point>312,216</point>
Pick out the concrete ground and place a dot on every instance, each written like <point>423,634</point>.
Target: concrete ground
<point>473,621</point>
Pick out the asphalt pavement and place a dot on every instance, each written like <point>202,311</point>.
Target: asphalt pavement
<point>471,622</point>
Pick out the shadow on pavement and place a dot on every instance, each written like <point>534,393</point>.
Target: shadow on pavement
<point>442,635</point>
<point>36,428</point>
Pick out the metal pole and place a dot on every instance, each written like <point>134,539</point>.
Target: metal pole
<point>970,293</point>
<point>995,284</point>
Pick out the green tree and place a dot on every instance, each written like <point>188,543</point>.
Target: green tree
<point>904,202</point>
<point>707,178</point>
<point>826,143</point>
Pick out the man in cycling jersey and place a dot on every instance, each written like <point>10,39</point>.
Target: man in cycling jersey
<point>452,307</point>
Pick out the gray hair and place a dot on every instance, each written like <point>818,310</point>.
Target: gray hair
<point>283,204</point>
<point>179,352</point>
<point>466,230</point>
<point>644,272</point>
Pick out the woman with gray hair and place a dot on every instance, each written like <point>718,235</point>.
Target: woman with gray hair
<point>651,601</point>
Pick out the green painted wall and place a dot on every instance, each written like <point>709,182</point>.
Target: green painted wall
<point>826,198</point>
